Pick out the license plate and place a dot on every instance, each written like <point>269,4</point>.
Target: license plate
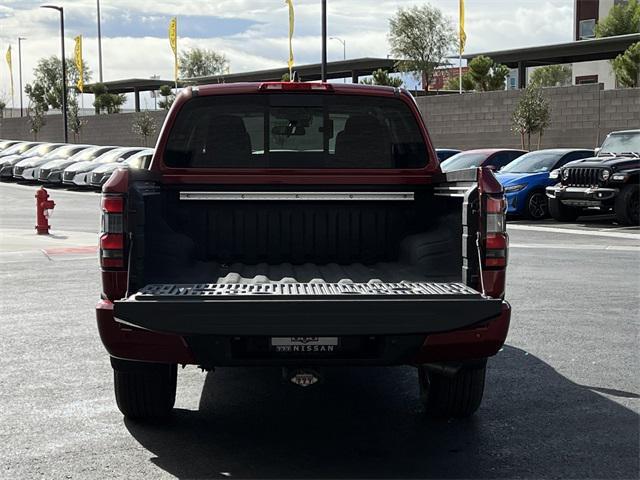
<point>304,344</point>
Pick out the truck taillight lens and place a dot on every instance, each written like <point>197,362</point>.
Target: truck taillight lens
<point>112,243</point>
<point>496,240</point>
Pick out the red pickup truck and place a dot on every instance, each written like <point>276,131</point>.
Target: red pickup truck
<point>301,225</point>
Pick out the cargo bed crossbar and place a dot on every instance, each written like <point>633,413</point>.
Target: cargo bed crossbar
<point>319,289</point>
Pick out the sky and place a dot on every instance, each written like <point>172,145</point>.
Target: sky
<point>251,33</point>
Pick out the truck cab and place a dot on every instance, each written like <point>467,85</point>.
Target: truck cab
<point>301,225</point>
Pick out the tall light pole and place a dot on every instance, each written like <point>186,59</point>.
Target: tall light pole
<point>20,39</point>
<point>344,49</point>
<point>323,66</point>
<point>99,42</point>
<point>64,72</point>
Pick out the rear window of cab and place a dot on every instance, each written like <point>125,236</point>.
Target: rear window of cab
<point>295,131</point>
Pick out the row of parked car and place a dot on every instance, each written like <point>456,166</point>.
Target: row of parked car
<point>563,182</point>
<point>524,175</point>
<point>68,164</point>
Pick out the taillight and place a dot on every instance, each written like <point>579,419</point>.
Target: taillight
<point>112,232</point>
<point>496,241</point>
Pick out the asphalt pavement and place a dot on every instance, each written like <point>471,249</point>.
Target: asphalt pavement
<point>562,398</point>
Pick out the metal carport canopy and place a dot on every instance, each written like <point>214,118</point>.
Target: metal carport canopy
<point>341,69</point>
<point>594,49</point>
<point>132,85</point>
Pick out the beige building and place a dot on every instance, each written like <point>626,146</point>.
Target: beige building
<point>587,13</point>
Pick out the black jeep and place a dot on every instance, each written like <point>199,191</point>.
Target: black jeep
<point>609,181</point>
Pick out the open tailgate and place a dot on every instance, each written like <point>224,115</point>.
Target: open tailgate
<point>305,309</point>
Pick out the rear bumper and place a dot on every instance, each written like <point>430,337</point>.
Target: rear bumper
<point>480,340</point>
<point>582,196</point>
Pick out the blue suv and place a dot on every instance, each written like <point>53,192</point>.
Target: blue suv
<point>526,178</point>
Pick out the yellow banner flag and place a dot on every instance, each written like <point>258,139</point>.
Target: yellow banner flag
<point>462,33</point>
<point>78,62</point>
<point>291,27</point>
<point>10,70</point>
<point>173,41</point>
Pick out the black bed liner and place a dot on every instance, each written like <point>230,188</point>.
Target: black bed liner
<point>374,308</point>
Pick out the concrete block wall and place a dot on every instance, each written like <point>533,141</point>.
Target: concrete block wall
<point>112,129</point>
<point>581,116</point>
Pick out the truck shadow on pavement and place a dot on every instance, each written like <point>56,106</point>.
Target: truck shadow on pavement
<point>368,423</point>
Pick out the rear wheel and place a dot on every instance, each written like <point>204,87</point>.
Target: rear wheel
<point>562,213</point>
<point>627,207</point>
<point>537,206</point>
<point>456,395</point>
<point>144,390</point>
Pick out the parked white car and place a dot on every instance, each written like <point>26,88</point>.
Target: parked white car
<point>35,153</point>
<point>52,172</point>
<point>77,173</point>
<point>101,174</point>
<point>32,166</point>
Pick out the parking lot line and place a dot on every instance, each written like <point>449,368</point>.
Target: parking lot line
<point>596,233</point>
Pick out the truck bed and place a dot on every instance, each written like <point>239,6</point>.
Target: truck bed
<point>265,263</point>
<point>296,241</point>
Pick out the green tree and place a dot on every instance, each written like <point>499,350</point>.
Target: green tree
<point>382,77</point>
<point>105,101</point>
<point>467,83</point>
<point>623,19</point>
<point>144,125</point>
<point>531,115</point>
<point>74,120</point>
<point>627,67</point>
<point>551,76</point>
<point>486,74</point>
<point>202,62</point>
<point>46,88</point>
<point>36,116</point>
<point>422,37</point>
<point>168,97</point>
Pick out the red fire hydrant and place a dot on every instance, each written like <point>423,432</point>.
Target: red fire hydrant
<point>43,205</point>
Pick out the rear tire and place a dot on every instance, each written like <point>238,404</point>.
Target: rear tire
<point>563,213</point>
<point>457,396</point>
<point>626,207</point>
<point>144,390</point>
<point>537,206</point>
